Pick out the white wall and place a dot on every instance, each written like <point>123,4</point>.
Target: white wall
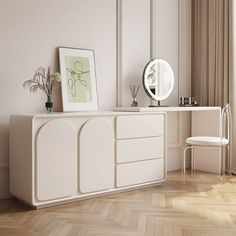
<point>31,32</point>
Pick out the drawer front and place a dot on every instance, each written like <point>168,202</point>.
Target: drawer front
<point>139,172</point>
<point>129,150</point>
<point>139,126</point>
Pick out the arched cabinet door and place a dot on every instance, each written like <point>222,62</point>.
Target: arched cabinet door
<point>96,156</point>
<point>56,161</point>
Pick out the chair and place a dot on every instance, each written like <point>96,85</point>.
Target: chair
<point>223,141</point>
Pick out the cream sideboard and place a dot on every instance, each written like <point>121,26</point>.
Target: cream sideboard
<point>65,157</point>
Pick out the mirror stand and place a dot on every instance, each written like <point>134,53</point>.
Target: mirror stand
<point>152,101</point>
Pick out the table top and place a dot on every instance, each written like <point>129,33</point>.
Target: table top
<point>123,111</point>
<point>167,109</point>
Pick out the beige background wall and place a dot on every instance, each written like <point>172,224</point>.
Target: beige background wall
<point>31,31</point>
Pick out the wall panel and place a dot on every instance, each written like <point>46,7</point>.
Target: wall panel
<point>134,47</point>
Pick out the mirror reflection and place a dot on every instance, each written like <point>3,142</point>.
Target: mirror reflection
<point>158,79</point>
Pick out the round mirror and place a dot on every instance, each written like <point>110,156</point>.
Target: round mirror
<point>158,79</point>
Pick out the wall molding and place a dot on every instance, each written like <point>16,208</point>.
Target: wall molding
<point>179,72</point>
<point>184,47</point>
<point>153,30</point>
<point>119,87</point>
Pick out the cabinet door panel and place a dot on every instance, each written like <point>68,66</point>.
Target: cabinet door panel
<point>56,161</point>
<point>96,155</point>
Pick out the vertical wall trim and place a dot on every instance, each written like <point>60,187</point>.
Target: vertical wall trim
<point>180,117</point>
<point>179,40</point>
<point>153,35</point>
<point>119,87</point>
<point>153,31</point>
<point>184,48</point>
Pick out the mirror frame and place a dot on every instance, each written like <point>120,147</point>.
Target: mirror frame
<point>146,73</point>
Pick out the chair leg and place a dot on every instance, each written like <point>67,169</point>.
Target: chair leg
<point>183,165</point>
<point>192,166</point>
<point>229,159</point>
<point>222,164</point>
<point>186,147</point>
<point>193,159</point>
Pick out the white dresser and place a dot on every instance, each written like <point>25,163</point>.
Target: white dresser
<point>65,157</point>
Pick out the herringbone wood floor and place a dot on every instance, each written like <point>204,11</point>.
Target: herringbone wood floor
<point>201,207</point>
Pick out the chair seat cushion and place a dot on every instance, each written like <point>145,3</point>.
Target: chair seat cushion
<point>207,141</point>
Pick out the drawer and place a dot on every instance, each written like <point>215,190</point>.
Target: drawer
<point>129,150</point>
<point>139,172</point>
<point>139,126</point>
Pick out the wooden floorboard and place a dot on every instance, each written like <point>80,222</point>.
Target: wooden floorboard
<point>203,206</point>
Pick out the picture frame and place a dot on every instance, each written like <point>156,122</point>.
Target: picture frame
<point>78,79</point>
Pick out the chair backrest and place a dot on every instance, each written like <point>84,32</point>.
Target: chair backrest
<point>226,122</point>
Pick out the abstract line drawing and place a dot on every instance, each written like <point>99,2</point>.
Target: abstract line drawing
<point>78,79</point>
<point>76,76</point>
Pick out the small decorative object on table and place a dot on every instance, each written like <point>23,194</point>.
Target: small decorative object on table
<point>188,102</point>
<point>45,81</point>
<point>134,92</point>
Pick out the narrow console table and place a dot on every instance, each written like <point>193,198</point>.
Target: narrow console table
<point>204,121</point>
<point>65,157</point>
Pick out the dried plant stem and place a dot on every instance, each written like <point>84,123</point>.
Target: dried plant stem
<point>42,80</point>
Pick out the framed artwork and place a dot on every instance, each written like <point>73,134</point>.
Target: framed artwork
<point>78,79</point>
